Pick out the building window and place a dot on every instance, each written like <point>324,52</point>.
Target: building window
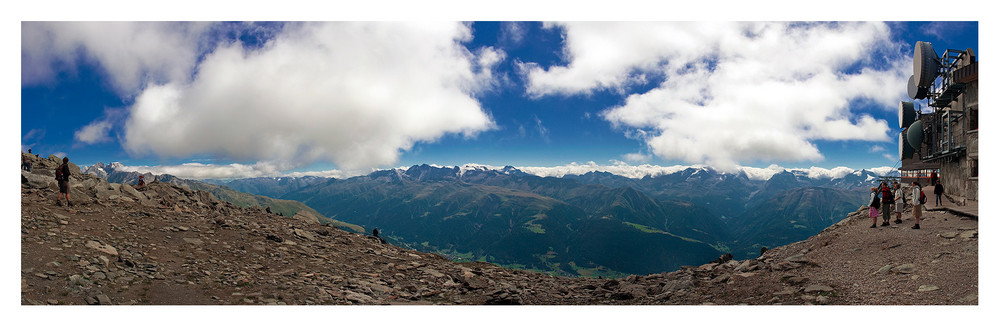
<point>973,167</point>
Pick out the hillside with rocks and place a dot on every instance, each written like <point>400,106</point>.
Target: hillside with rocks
<point>168,244</point>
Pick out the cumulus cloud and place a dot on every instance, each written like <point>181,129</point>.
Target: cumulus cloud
<point>95,132</point>
<point>637,157</point>
<point>876,148</point>
<point>355,94</point>
<point>131,53</point>
<point>732,92</point>
<point>233,171</point>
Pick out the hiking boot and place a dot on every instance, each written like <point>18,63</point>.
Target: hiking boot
<point>917,226</point>
<point>898,221</point>
<point>873,226</point>
<point>59,203</point>
<point>885,223</point>
<point>69,204</point>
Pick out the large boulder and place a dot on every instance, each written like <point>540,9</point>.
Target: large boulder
<point>108,191</point>
<point>130,191</point>
<point>36,181</point>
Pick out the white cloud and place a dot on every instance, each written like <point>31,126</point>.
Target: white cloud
<point>542,131</point>
<point>882,170</point>
<point>131,53</point>
<point>204,171</point>
<point>355,94</point>
<point>640,171</point>
<point>637,157</point>
<point>732,91</point>
<point>234,171</point>
<point>617,168</point>
<point>512,32</point>
<point>824,173</point>
<point>95,132</point>
<point>876,148</point>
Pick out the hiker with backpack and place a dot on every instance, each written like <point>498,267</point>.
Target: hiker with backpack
<point>886,195</point>
<point>62,177</point>
<point>921,199</point>
<point>898,196</point>
<point>873,206</point>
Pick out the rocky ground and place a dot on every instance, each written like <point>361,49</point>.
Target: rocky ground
<point>166,244</point>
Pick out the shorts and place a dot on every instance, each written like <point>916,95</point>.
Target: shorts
<point>63,186</point>
<point>916,210</point>
<point>899,207</point>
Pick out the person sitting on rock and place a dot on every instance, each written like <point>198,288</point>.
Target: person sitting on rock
<point>141,183</point>
<point>268,209</point>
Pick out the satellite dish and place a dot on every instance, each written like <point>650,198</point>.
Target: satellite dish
<point>905,150</point>
<point>906,114</point>
<point>925,64</point>
<point>914,91</point>
<point>915,134</point>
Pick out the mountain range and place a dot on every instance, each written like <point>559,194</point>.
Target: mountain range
<point>589,224</point>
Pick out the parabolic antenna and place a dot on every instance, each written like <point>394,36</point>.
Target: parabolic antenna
<point>915,134</point>
<point>906,114</point>
<point>925,64</point>
<point>905,150</point>
<point>914,91</point>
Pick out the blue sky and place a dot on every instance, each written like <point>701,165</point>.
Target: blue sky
<point>260,99</point>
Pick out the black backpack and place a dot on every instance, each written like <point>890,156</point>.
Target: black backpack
<point>874,201</point>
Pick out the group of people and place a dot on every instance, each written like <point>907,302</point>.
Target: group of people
<point>886,198</point>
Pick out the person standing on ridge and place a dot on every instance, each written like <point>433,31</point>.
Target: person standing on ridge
<point>938,191</point>
<point>873,207</point>
<point>62,176</point>
<point>886,195</point>
<point>917,204</point>
<point>898,196</point>
<point>25,164</point>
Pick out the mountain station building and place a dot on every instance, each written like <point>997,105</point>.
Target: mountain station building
<point>946,128</point>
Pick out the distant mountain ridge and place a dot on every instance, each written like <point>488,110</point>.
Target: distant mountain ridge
<point>588,224</point>
<point>114,173</point>
<point>418,206</point>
